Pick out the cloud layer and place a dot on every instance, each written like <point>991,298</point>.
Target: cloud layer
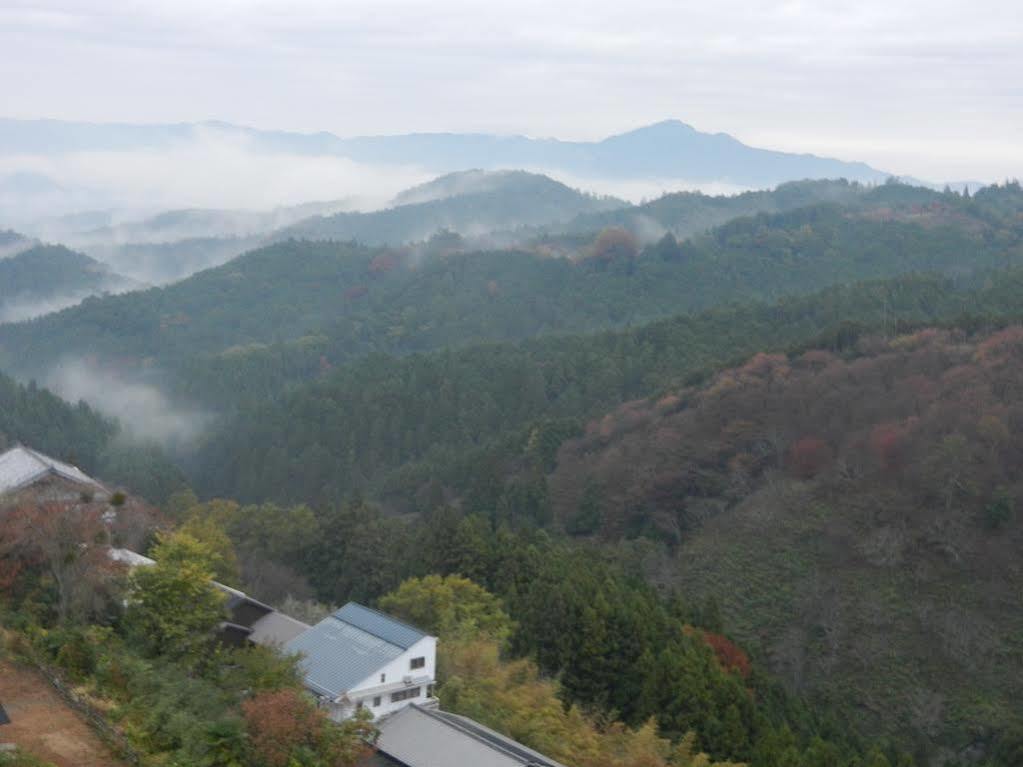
<point>924,88</point>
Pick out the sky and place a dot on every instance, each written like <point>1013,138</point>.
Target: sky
<point>932,88</point>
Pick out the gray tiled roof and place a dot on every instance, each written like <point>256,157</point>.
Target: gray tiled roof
<point>20,467</point>
<point>424,738</point>
<point>378,624</point>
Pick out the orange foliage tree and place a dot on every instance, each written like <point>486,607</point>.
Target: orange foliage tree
<point>67,543</point>
<point>285,725</point>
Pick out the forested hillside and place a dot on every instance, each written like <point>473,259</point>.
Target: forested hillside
<point>475,205</point>
<point>341,301</point>
<point>35,417</point>
<point>160,263</point>
<point>851,509</point>
<point>448,417</point>
<point>854,512</point>
<point>12,243</point>
<point>45,278</point>
<point>76,433</point>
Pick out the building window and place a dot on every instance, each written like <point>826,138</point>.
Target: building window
<point>412,692</point>
<point>383,678</point>
<point>417,662</point>
<point>376,702</point>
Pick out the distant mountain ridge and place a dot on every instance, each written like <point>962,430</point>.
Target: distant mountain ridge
<point>469,203</point>
<point>47,278</point>
<point>666,150</point>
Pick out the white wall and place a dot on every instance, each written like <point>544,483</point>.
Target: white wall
<point>394,673</point>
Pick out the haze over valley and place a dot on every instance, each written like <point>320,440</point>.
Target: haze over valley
<point>633,387</point>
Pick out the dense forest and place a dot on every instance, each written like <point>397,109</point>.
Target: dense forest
<point>821,506</point>
<point>749,493</point>
<point>33,416</point>
<point>854,513</point>
<point>341,301</point>
<point>44,278</point>
<point>392,427</point>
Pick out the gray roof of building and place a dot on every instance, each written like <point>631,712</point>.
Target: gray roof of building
<point>378,624</point>
<point>21,466</point>
<point>424,738</point>
<point>337,655</point>
<point>276,629</point>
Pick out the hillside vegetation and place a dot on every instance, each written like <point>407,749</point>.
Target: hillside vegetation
<point>469,203</point>
<point>338,302</point>
<point>856,515</point>
<point>44,278</point>
<point>395,426</point>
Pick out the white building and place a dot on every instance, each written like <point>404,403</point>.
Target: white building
<point>362,658</point>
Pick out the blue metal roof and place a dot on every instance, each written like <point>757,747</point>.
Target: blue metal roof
<point>380,625</point>
<point>349,646</point>
<point>338,655</point>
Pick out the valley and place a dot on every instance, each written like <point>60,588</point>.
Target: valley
<point>737,469</point>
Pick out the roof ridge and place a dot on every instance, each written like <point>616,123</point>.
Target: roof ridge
<point>382,614</point>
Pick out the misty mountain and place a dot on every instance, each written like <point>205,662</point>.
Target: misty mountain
<point>664,151</point>
<point>203,223</point>
<point>12,243</point>
<point>291,310</point>
<point>159,263</point>
<point>683,214</point>
<point>174,244</point>
<point>468,203</point>
<point>47,278</point>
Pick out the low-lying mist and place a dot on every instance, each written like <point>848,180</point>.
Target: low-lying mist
<point>218,170</point>
<point>21,308</point>
<point>144,411</point>
<point>640,189</point>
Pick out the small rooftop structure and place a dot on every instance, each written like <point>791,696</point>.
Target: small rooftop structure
<point>21,467</point>
<point>360,657</point>
<point>421,737</point>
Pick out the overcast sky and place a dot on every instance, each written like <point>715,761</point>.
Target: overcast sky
<point>932,88</point>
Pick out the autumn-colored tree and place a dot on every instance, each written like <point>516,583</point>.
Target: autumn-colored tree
<point>888,442</point>
<point>286,728</point>
<point>173,606</point>
<point>615,244</point>
<point>808,457</point>
<point>729,654</point>
<point>67,543</point>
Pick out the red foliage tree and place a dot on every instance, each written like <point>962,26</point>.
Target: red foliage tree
<point>888,443</point>
<point>729,655</point>
<point>808,457</point>
<point>280,723</point>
